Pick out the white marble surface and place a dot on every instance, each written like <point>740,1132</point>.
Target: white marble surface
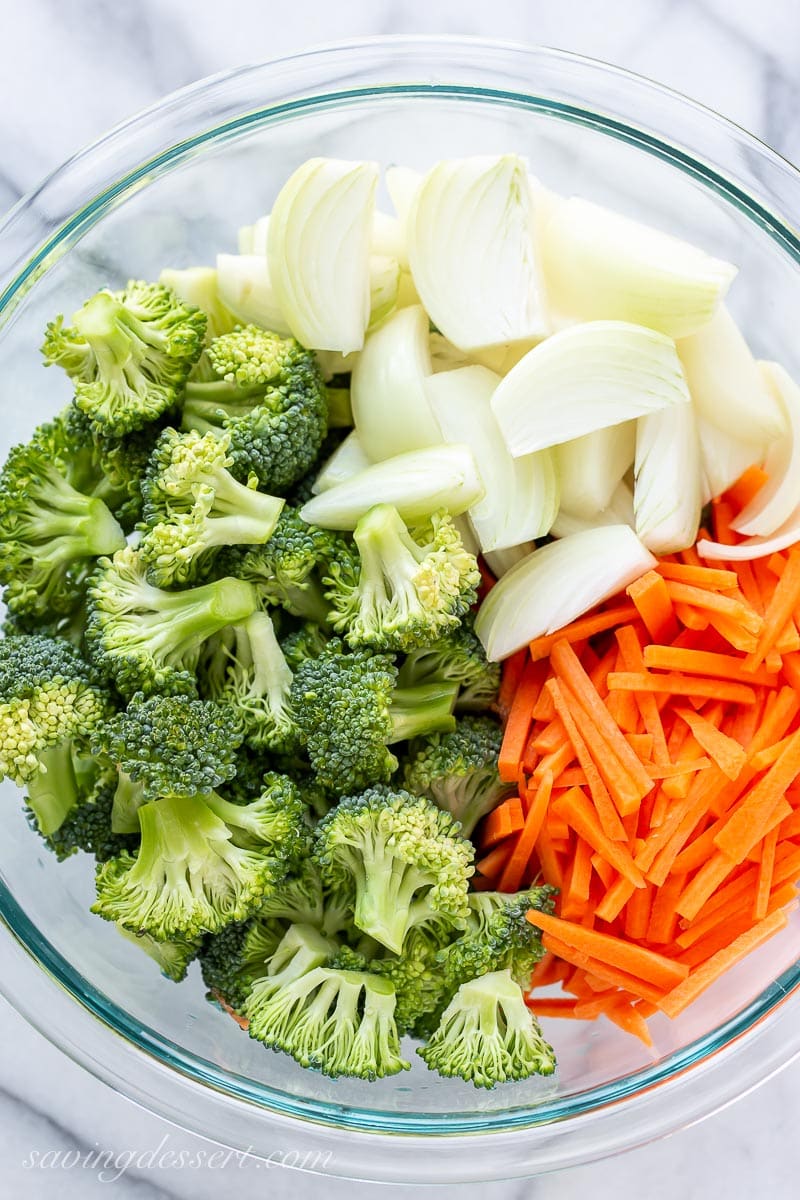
<point>69,71</point>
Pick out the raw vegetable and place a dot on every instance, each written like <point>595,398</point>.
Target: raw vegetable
<point>556,584</point>
<point>472,253</point>
<point>600,264</point>
<point>591,467</point>
<point>585,378</point>
<point>521,494</point>
<point>318,250</point>
<point>667,496</point>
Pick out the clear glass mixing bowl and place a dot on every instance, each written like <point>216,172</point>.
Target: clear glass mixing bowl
<point>170,188</point>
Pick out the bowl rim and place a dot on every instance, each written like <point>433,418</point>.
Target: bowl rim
<point>22,273</point>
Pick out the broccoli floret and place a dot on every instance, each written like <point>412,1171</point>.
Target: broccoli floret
<point>349,713</point>
<point>338,1022</point>
<point>88,825</point>
<point>251,767</point>
<point>51,702</point>
<point>110,468</point>
<point>457,657</point>
<point>417,980</point>
<point>488,1035</point>
<point>308,641</point>
<point>173,957</point>
<point>401,588</point>
<point>49,530</point>
<point>269,395</point>
<point>497,936</point>
<point>149,640</point>
<point>188,877</point>
<point>458,770</point>
<point>275,821</point>
<point>286,569</point>
<point>199,287</point>
<point>257,687</point>
<point>402,857</point>
<point>129,354</point>
<point>303,898</point>
<point>193,506</point>
<point>233,959</point>
<point>172,744</point>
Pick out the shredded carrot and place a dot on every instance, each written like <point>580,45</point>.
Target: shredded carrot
<point>512,671</point>
<point>682,996</point>
<point>523,848</point>
<point>724,751</point>
<point>746,487</point>
<point>576,810</point>
<point>783,603</point>
<point>705,662</point>
<point>606,812</point>
<point>605,972</point>
<point>704,577</point>
<point>493,863</point>
<point>652,599</point>
<point>502,821</point>
<point>675,684</point>
<point>519,720</point>
<point>616,952</point>
<point>556,1006</point>
<point>584,627</point>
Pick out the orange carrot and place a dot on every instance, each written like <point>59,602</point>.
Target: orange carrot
<point>703,577</point>
<point>725,752</point>
<point>606,812</point>
<point>652,599</point>
<point>606,973</point>
<point>746,487</point>
<point>663,917</point>
<point>705,662</point>
<point>715,602</point>
<point>514,869</point>
<point>552,1007</point>
<point>702,977</point>
<point>784,601</point>
<point>512,671</point>
<point>629,1019</point>
<point>502,821</point>
<point>631,652</point>
<point>583,627</point>
<point>577,884</point>
<point>519,720</point>
<point>576,810</point>
<point>643,964</point>
<point>741,831</point>
<point>675,684</point>
<point>493,863</point>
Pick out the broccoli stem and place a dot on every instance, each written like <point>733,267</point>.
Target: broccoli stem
<point>183,620</point>
<point>54,792</point>
<point>128,799</point>
<point>427,708</point>
<point>259,649</point>
<point>80,526</point>
<point>387,892</point>
<point>247,516</point>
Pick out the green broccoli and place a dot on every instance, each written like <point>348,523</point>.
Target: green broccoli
<point>193,506</point>
<point>488,1035</point>
<point>199,287</point>
<point>88,825</point>
<point>107,467</point>
<point>286,569</point>
<point>172,744</point>
<point>269,395</point>
<point>417,980</point>
<point>401,588</point>
<point>402,857</point>
<point>304,899</point>
<point>276,820</point>
<point>457,657</point>
<point>458,770</point>
<point>250,768</point>
<point>497,936</point>
<point>339,1022</point>
<point>349,712</point>
<point>173,957</point>
<point>129,354</point>
<point>308,641</point>
<point>50,532</point>
<point>150,640</point>
<point>257,687</point>
<point>188,877</point>
<point>51,702</point>
<point>340,409</point>
<point>233,959</point>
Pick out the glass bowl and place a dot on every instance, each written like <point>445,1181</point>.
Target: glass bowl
<point>171,187</point>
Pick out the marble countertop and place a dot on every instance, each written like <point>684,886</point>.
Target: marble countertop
<point>71,70</point>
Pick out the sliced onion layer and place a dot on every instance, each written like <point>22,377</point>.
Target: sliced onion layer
<point>601,264</point>
<point>318,248</point>
<point>667,495</point>
<point>724,458</point>
<point>591,467</point>
<point>521,498</point>
<point>585,378</point>
<point>774,504</point>
<point>346,461</point>
<point>754,547</point>
<point>417,484</point>
<point>726,386</point>
<point>391,410</point>
<point>556,584</point>
<point>471,248</point>
<point>200,286</point>
<point>245,287</point>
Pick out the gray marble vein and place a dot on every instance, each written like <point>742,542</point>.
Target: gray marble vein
<point>71,69</point>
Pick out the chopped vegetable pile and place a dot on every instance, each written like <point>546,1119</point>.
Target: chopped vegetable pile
<point>261,571</point>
